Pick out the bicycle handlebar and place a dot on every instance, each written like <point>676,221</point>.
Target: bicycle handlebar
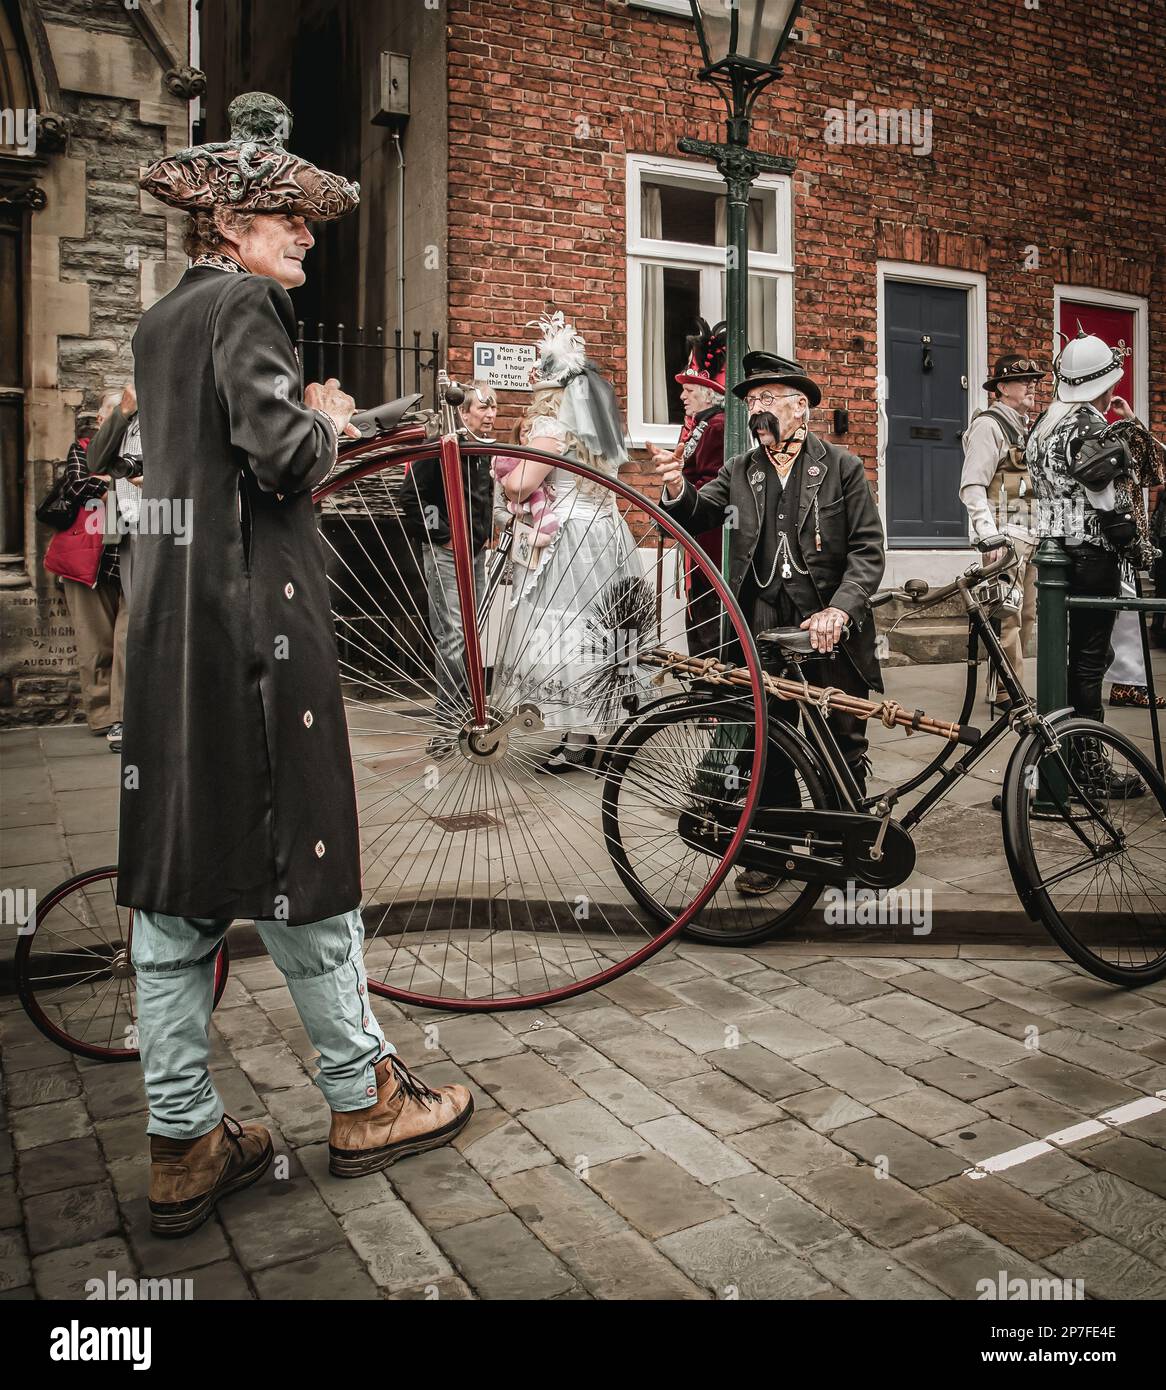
<point>975,574</point>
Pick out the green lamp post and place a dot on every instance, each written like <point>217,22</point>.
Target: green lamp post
<point>741,42</point>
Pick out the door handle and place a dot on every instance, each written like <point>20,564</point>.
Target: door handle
<point>964,382</point>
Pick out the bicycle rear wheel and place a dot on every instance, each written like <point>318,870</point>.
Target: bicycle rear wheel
<point>1091,864</point>
<point>488,881</point>
<point>682,760</point>
<point>74,974</point>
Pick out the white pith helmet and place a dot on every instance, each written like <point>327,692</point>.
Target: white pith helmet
<point>1087,367</point>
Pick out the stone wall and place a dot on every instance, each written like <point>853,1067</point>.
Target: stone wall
<point>101,252</point>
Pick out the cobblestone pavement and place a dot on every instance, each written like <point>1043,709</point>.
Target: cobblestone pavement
<point>777,1123</point>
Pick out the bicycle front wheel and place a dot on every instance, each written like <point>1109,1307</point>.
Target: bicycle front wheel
<point>74,972</point>
<point>488,879</point>
<point>1085,824</point>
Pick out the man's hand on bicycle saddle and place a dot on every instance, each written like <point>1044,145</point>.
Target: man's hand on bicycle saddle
<point>335,402</point>
<point>825,628</point>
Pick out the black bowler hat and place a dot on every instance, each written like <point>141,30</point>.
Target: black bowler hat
<point>768,369</point>
<point>1012,367</point>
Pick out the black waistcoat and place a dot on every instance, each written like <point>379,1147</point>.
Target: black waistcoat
<point>779,516</point>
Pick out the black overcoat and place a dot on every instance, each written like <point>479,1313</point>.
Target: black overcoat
<point>237,792</point>
<point>848,568</point>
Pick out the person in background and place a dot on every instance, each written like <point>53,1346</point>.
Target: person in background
<point>98,614</point>
<point>426,518</point>
<point>996,493</point>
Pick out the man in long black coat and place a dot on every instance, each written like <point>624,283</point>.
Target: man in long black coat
<point>806,549</point>
<point>238,796</point>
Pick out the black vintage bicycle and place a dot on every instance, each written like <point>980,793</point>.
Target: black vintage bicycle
<point>1083,808</point>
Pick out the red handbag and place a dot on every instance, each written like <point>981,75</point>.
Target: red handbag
<point>76,553</point>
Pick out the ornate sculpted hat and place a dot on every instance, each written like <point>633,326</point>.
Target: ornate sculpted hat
<point>706,357</point>
<point>251,172</point>
<point>1012,367</point>
<point>1087,367</point>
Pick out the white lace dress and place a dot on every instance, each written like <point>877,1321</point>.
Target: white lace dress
<point>565,644</point>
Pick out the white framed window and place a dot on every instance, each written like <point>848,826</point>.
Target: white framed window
<point>676,224</point>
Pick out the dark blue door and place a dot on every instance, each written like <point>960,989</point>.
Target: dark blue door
<point>927,412</point>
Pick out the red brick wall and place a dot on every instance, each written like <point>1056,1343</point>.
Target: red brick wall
<point>1048,129</point>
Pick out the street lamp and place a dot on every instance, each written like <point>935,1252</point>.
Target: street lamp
<point>741,42</point>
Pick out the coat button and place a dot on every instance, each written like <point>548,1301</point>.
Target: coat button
<point>360,989</point>
<point>289,590</point>
<point>319,849</point>
<point>308,719</point>
<point>371,1091</point>
<point>364,1022</point>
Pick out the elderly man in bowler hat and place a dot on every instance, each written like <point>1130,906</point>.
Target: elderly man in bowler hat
<point>807,548</point>
<point>237,796</point>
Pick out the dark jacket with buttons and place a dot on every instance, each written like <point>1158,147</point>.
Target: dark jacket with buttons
<point>237,792</point>
<point>849,566</point>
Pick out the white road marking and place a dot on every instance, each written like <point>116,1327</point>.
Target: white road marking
<point>1111,1119</point>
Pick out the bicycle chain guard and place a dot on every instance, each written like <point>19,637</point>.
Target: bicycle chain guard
<point>811,846</point>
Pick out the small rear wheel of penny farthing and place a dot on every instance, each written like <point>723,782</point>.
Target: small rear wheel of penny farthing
<point>74,974</point>
<point>481,693</point>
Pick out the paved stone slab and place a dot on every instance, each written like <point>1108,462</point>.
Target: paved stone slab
<point>956,1260</point>
<point>302,1114</point>
<point>565,1051</point>
<point>112,1090</point>
<point>914,1016</point>
<point>1008,1019</point>
<point>1036,1001</point>
<point>1072,1045</point>
<point>638,995</point>
<point>272,1067</point>
<point>812,1006</point>
<point>278,1221</point>
<point>788,1148</point>
<point>885,1211</point>
<point>335,1274</point>
<point>762,1070</point>
<point>473,1038</point>
<point>625,1266</point>
<point>224,1282</point>
<point>986,1048</point>
<point>887,1044</point>
<point>785,1035</point>
<point>1036,1176</point>
<point>721,998</point>
<point>695,1029</point>
<point>858,1074</point>
<point>841,980</point>
<point>582,1131</point>
<point>394,1245</point>
<point>1069,1084</point>
<point>693,1148</point>
<point>1109,1270</point>
<point>653,1058</point>
<point>436,1290</point>
<point>1102,998</point>
<point>656,1195</point>
<point>41,1085</point>
<point>500,1259</point>
<point>442,1189</point>
<point>50,1124</point>
<point>927,1111</point>
<point>720,1103</point>
<point>559,1208</point>
<point>715,960</point>
<point>1013,1218</point>
<point>15,1270</point>
<point>64,1273</point>
<point>245,1026</point>
<point>523,1082</point>
<point>735,1260</point>
<point>865,1272</point>
<point>958,1078</point>
<point>597,1025</point>
<point>779,1212</point>
<point>73,1163</point>
<point>505,1148</point>
<point>825,1109</point>
<point>628,1099</point>
<point>1029,1111</point>
<point>907,1157</point>
<point>29,1055</point>
<point>937,989</point>
<point>75,1216</point>
<point>344,1195</point>
<point>1138,1162</point>
<point>163,1258</point>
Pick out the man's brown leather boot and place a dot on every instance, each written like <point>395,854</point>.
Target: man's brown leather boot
<point>188,1176</point>
<point>407,1118</point>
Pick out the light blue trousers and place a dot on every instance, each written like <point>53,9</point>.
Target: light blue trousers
<point>323,964</point>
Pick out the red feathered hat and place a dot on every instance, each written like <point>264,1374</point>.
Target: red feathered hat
<point>707,352</point>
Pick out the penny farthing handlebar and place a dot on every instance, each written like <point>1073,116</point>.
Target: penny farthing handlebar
<point>482,689</point>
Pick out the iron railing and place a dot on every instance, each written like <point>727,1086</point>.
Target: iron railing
<point>360,361</point>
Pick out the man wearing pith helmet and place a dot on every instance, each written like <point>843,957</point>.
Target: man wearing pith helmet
<point>238,797</point>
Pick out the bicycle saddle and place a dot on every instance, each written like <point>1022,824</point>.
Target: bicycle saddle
<point>794,640</point>
<point>380,419</point>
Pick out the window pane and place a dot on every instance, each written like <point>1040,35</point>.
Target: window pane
<point>674,213</point>
<point>762,221</point>
<point>763,334</point>
<point>671,304</point>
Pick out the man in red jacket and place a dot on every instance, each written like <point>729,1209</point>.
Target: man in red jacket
<point>701,452</point>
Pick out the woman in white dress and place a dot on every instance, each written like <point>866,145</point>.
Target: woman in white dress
<point>580,602</point>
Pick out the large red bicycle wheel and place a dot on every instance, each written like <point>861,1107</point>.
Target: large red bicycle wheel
<point>488,882</point>
<point>74,974</point>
